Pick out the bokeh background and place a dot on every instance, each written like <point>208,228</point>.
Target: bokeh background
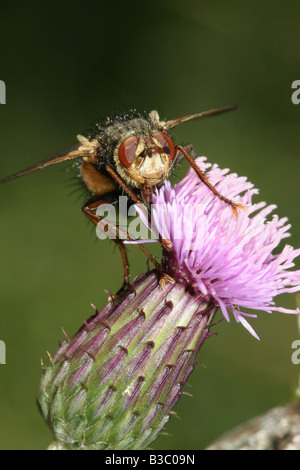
<point>67,64</point>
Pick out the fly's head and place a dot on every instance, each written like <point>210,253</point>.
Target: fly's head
<point>143,153</point>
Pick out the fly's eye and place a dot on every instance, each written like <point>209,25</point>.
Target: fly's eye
<point>166,143</point>
<point>127,150</point>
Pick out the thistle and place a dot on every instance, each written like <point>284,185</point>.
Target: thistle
<point>115,383</point>
<point>231,260</point>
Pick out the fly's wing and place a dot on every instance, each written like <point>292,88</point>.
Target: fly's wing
<point>166,126</point>
<point>72,153</point>
<point>190,150</point>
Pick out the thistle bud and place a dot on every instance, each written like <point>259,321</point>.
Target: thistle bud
<point>114,384</point>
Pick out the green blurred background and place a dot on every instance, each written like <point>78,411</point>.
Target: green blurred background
<point>68,64</point>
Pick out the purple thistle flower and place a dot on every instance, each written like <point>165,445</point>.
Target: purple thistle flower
<point>114,384</point>
<point>227,259</point>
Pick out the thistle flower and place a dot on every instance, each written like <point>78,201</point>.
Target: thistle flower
<point>226,259</point>
<point>114,384</point>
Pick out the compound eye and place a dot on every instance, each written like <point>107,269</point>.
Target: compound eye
<point>127,150</point>
<point>166,143</point>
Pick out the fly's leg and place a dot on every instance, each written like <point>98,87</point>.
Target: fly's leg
<point>114,234</point>
<point>136,199</point>
<point>235,206</point>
